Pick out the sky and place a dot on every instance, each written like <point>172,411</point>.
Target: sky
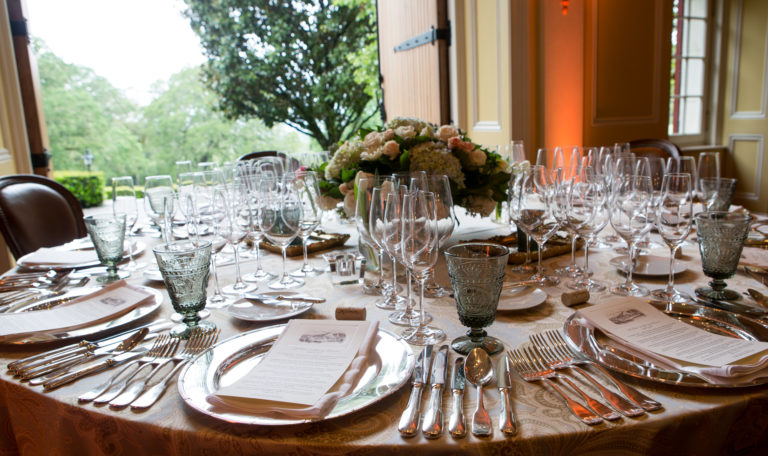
<point>132,43</point>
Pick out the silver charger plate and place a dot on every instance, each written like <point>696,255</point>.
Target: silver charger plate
<point>137,248</point>
<point>649,265</point>
<point>388,370</point>
<point>599,348</point>
<point>87,331</point>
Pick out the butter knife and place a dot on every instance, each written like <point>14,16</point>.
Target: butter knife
<point>456,425</point>
<point>506,418</point>
<point>409,420</point>
<point>433,418</point>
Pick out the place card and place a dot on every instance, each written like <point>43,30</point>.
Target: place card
<point>308,358</point>
<point>644,327</point>
<point>107,303</point>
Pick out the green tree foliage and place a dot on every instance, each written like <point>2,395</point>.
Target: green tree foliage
<point>290,62</point>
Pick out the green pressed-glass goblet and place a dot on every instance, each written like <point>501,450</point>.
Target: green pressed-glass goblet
<point>107,231</point>
<point>721,238</point>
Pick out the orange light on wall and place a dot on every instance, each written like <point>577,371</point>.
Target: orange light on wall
<point>564,4</point>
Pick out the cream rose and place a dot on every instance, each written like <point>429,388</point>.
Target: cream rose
<point>445,132</point>
<point>476,158</point>
<point>405,132</point>
<point>391,149</point>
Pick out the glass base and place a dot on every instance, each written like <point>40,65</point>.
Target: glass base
<point>203,314</point>
<point>545,280</point>
<point>465,344</point>
<point>258,276</point>
<point>183,331</point>
<point>239,289</point>
<point>373,289</point>
<point>391,302</point>
<point>106,278</point>
<point>631,289</point>
<point>423,335</point>
<point>408,318</point>
<point>309,272</point>
<point>588,284</point>
<point>132,267</point>
<point>525,268</point>
<point>218,301</point>
<point>571,271</point>
<point>433,290</point>
<point>724,294</point>
<point>286,283</point>
<point>673,295</point>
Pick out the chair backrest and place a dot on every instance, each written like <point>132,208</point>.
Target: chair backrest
<point>37,212</point>
<point>654,148</point>
<point>270,153</point>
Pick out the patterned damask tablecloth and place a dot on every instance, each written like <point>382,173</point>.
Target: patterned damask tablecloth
<point>693,421</point>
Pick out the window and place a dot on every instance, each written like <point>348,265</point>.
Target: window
<point>689,69</point>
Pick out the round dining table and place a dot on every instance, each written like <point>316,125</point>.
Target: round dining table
<point>692,421</point>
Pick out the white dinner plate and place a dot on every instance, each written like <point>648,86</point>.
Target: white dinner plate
<point>649,265</point>
<point>389,368</point>
<point>267,310</point>
<point>521,298</point>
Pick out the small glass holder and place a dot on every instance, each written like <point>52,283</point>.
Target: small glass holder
<point>345,268</point>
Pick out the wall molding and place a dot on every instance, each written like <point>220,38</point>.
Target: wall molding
<point>754,195</point>
<point>477,124</point>
<point>5,156</point>
<point>734,114</point>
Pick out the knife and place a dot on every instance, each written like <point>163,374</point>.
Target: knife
<point>409,420</point>
<point>456,425</point>
<point>433,418</point>
<point>97,367</point>
<point>730,306</point>
<point>759,297</point>
<point>272,298</point>
<point>506,419</point>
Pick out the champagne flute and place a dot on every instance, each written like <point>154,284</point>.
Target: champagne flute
<point>440,187</point>
<point>674,219</point>
<point>124,201</point>
<point>420,249</point>
<point>234,227</point>
<point>308,190</point>
<point>214,215</point>
<point>280,219</point>
<point>376,223</point>
<point>159,203</point>
<point>253,176</point>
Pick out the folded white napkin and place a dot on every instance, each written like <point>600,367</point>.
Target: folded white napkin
<point>108,303</point>
<point>318,410</point>
<point>54,256</point>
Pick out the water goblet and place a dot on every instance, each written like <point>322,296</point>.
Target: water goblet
<point>587,212</point>
<point>674,216</point>
<point>717,193</point>
<point>107,232</point>
<point>721,237</point>
<point>477,272</point>
<point>184,266</point>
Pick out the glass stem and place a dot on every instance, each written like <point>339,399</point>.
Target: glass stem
<point>671,279</point>
<point>258,256</point>
<point>422,317</point>
<point>586,257</point>
<point>573,249</point>
<point>528,251</point>
<point>408,302</point>
<point>216,289</point>
<point>381,270</point>
<point>239,279</point>
<point>282,276</point>
<point>304,248</point>
<point>539,268</point>
<point>394,279</point>
<point>631,265</point>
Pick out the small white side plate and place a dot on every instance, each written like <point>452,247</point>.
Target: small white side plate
<point>649,265</point>
<point>521,298</point>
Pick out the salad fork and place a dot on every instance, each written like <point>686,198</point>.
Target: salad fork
<point>528,371</point>
<point>557,360</point>
<point>574,357</point>
<point>198,342</point>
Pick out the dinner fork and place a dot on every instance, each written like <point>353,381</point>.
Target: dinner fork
<point>557,360</point>
<point>580,358</point>
<point>527,370</point>
<point>192,348</point>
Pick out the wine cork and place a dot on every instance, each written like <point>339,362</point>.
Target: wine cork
<point>572,298</point>
<point>350,313</point>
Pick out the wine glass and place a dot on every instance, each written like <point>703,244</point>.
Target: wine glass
<point>440,186</point>
<point>232,201</point>
<point>674,217</point>
<point>254,195</point>
<point>631,216</point>
<point>587,211</point>
<point>280,218</point>
<point>308,190</point>
<point>159,203</point>
<point>182,167</point>
<point>531,210</point>
<point>707,167</point>
<point>419,243</point>
<point>655,168</point>
<point>563,179</point>
<point>124,201</point>
<point>214,215</point>
<point>376,226</point>
<point>518,157</point>
<point>185,188</point>
<point>365,187</point>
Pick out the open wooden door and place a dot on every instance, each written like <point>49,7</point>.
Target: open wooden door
<point>413,59</point>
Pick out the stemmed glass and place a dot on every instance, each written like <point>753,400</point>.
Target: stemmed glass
<point>531,209</point>
<point>656,169</point>
<point>707,167</point>
<point>365,187</point>
<point>234,226</point>
<point>308,190</point>
<point>376,222</point>
<point>280,218</point>
<point>420,249</point>
<point>674,216</point>
<point>631,216</point>
<point>214,215</point>
<point>185,188</point>
<point>252,177</point>
<point>586,202</point>
<point>159,203</point>
<point>440,186</point>
<point>124,201</point>
<point>564,178</point>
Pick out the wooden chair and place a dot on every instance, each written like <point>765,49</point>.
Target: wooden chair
<point>655,148</point>
<point>37,212</point>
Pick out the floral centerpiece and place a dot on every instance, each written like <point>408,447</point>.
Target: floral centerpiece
<point>478,177</point>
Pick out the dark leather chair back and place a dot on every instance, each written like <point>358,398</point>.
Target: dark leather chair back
<point>655,148</point>
<point>37,212</point>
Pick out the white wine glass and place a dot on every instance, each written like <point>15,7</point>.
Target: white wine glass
<point>159,203</point>
<point>674,219</point>
<point>376,222</point>
<point>280,219</point>
<point>308,191</point>
<point>440,187</point>
<point>234,227</point>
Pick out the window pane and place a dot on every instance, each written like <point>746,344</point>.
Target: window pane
<point>696,8</point>
<point>692,121</point>
<point>696,37</point>
<point>683,77</point>
<point>694,81</point>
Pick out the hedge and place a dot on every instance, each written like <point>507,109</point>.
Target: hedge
<point>88,187</point>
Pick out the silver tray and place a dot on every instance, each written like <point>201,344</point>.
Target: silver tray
<point>137,246</point>
<point>598,347</point>
<point>123,320</point>
<point>389,369</point>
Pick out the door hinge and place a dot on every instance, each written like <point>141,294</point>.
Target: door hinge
<point>425,38</point>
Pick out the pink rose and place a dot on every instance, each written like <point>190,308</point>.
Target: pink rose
<point>445,132</point>
<point>372,140</point>
<point>388,134</point>
<point>405,132</point>
<point>391,149</point>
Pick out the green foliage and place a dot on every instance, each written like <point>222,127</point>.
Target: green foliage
<point>87,187</point>
<point>139,189</point>
<point>292,62</point>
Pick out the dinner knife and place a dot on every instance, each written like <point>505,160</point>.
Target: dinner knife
<point>506,418</point>
<point>409,420</point>
<point>433,418</point>
<point>730,306</point>
<point>456,425</point>
<point>97,367</point>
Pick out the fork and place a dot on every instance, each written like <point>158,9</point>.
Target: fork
<point>526,369</point>
<point>558,360</point>
<point>193,347</point>
<point>580,358</point>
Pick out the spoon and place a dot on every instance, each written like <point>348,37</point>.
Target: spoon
<point>479,371</point>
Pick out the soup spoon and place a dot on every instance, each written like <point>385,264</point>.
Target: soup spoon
<point>479,372</point>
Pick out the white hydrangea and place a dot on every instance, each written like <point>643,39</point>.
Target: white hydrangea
<point>346,155</point>
<point>436,158</point>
